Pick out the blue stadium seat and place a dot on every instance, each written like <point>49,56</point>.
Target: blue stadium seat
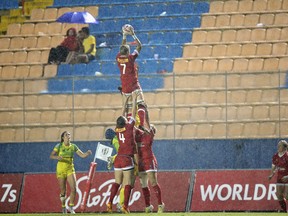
<point>201,7</point>
<point>104,53</point>
<point>57,85</point>
<point>79,70</point>
<point>109,67</point>
<point>64,70</point>
<point>151,83</point>
<point>93,67</point>
<point>11,4</point>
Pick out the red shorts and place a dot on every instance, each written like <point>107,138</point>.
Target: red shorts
<point>280,176</point>
<point>148,165</point>
<point>123,162</point>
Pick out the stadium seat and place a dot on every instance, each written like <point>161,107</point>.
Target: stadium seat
<point>5,43</point>
<point>37,14</point>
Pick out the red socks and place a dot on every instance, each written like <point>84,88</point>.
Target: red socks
<point>157,191</point>
<point>146,194</point>
<point>127,192</point>
<point>114,190</point>
<point>283,205</point>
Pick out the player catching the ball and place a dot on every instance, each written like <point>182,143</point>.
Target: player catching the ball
<point>129,75</point>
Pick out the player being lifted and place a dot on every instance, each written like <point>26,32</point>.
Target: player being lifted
<point>129,75</point>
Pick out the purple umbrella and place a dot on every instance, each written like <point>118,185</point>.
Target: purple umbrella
<point>77,17</point>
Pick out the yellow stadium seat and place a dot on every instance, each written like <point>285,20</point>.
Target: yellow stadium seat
<point>41,28</point>
<point>27,29</point>
<point>55,28</point>
<point>230,6</point>
<point>50,13</point>
<point>93,10</point>
<point>229,35</point>
<point>43,42</point>
<point>6,57</point>
<point>14,29</point>
<point>4,43</point>
<point>248,49</point>
<point>237,20</point>
<point>264,49</point>
<point>20,57</point>
<point>30,42</point>
<point>222,20</point>
<point>37,14</point>
<point>34,56</point>
<point>251,19</point>
<point>259,5</point>
<point>216,6</point>
<point>16,43</point>
<point>213,36</point>
<point>208,21</point>
<point>36,71</point>
<point>22,71</point>
<point>245,6</point>
<point>8,72</point>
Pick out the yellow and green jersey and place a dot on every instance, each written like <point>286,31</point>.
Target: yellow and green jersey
<point>115,143</point>
<point>66,152</point>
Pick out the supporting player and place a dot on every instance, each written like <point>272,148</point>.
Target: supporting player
<point>126,158</point>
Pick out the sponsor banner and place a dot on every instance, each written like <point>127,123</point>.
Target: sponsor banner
<point>41,192</point>
<point>234,190</point>
<point>10,186</point>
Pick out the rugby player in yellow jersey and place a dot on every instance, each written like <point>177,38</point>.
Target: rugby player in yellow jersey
<point>65,171</point>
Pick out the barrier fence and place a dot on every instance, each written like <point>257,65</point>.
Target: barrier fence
<point>195,190</point>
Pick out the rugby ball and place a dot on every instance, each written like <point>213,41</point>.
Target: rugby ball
<point>128,29</point>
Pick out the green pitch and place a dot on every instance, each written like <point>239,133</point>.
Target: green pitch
<point>168,214</point>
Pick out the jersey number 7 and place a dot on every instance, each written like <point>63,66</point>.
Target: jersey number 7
<point>124,68</point>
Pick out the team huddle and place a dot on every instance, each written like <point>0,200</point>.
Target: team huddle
<point>132,139</point>
<point>133,135</point>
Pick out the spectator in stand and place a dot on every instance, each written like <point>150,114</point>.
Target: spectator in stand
<point>280,165</point>
<point>89,44</point>
<point>63,152</point>
<point>72,56</point>
<point>60,53</point>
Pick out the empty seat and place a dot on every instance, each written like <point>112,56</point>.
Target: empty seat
<point>281,19</point>
<point>36,71</point>
<point>34,56</point>
<point>264,49</point>
<point>251,19</point>
<point>248,49</point>
<point>225,64</point>
<point>222,20</point>
<point>271,64</point>
<point>273,33</point>
<point>30,42</point>
<point>259,5</point>
<point>230,6</point>
<point>240,64</point>
<point>267,19</point>
<point>274,5</point>
<point>8,72</point>
<point>27,29</point>
<point>243,35</point>
<point>43,42</point>
<point>213,36</point>
<point>208,21</point>
<point>4,43</point>
<point>216,6</point>
<point>255,64</point>
<point>16,43</point>
<point>50,13</point>
<point>14,29</point>
<point>63,10</point>
<point>6,57</point>
<point>233,49</point>
<point>22,71</point>
<point>229,35</point>
<point>37,14</point>
<point>237,20</point>
<point>20,57</point>
<point>258,34</point>
<point>245,5</point>
<point>55,28</point>
<point>41,28</point>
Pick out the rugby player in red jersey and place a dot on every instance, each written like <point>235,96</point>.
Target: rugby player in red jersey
<point>129,76</point>
<point>280,165</point>
<point>147,168</point>
<point>126,159</point>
